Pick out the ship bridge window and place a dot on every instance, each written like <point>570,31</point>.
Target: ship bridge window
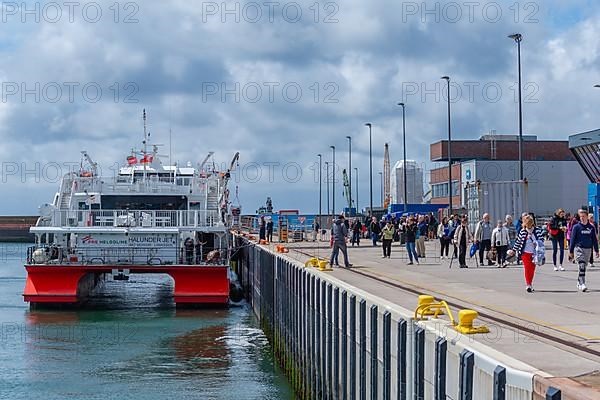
<point>144,202</point>
<point>85,206</point>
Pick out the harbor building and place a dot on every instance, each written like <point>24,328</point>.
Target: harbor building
<point>554,177</point>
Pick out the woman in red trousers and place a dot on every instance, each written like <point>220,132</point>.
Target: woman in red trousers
<point>527,245</point>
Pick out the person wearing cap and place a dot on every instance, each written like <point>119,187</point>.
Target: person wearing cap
<point>339,234</point>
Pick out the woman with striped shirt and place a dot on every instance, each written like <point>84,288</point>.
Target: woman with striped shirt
<point>528,245</point>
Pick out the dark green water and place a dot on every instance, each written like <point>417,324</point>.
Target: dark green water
<point>129,343</point>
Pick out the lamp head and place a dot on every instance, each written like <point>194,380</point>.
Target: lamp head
<point>597,86</point>
<point>368,124</point>
<point>446,78</point>
<point>517,37</point>
<point>401,104</point>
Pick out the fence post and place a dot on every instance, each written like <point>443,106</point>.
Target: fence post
<point>318,370</point>
<point>441,347</point>
<point>336,342</point>
<point>352,328</point>
<point>467,361</point>
<point>401,360</point>
<point>344,363</point>
<point>419,373</point>
<point>387,355</point>
<point>553,394</point>
<point>374,358</point>
<point>500,383</point>
<point>363,349</point>
<point>329,340</point>
<point>323,355</point>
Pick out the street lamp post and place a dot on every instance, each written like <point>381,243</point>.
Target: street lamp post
<point>320,186</point>
<point>327,184</point>
<point>370,166</point>
<point>350,172</point>
<point>404,150</point>
<point>517,37</point>
<point>333,183</point>
<point>447,79</point>
<point>356,178</point>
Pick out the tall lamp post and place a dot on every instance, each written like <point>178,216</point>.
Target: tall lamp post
<point>517,37</point>
<point>333,183</point>
<point>404,151</point>
<point>327,185</point>
<point>320,185</point>
<point>370,126</point>
<point>356,180</point>
<point>350,172</point>
<point>447,79</point>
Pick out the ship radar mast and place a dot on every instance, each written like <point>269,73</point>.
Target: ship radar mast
<point>145,145</point>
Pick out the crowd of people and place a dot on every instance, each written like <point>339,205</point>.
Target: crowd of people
<point>499,244</point>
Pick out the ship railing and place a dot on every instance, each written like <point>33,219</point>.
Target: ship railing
<point>135,218</point>
<point>151,184</point>
<point>123,256</point>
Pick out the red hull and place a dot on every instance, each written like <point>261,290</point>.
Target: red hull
<point>60,283</point>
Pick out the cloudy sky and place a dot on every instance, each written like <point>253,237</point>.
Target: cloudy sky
<point>280,82</point>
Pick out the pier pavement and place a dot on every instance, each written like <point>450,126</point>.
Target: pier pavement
<point>555,331</point>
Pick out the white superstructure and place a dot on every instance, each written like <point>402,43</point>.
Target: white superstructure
<point>146,214</point>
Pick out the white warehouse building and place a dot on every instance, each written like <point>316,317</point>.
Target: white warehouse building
<point>414,179</point>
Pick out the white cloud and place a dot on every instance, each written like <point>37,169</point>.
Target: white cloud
<point>370,55</point>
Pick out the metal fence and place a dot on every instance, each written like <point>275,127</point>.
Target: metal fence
<point>131,218</point>
<point>335,342</point>
<point>57,255</point>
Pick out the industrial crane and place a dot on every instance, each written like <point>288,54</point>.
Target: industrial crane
<point>386,176</point>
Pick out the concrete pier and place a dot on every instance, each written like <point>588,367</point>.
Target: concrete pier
<point>351,334</point>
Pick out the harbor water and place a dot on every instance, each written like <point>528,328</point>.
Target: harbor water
<point>129,342</point>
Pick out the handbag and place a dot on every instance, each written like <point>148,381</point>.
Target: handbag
<point>473,250</point>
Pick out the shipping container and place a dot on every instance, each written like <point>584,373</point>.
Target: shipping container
<point>498,199</point>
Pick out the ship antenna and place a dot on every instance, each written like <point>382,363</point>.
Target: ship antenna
<point>144,143</point>
<point>170,142</point>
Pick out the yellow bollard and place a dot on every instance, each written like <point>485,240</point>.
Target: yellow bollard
<point>465,323</point>
<point>313,262</point>
<point>323,266</point>
<point>425,300</point>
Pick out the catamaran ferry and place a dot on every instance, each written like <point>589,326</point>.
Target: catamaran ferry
<point>147,218</point>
